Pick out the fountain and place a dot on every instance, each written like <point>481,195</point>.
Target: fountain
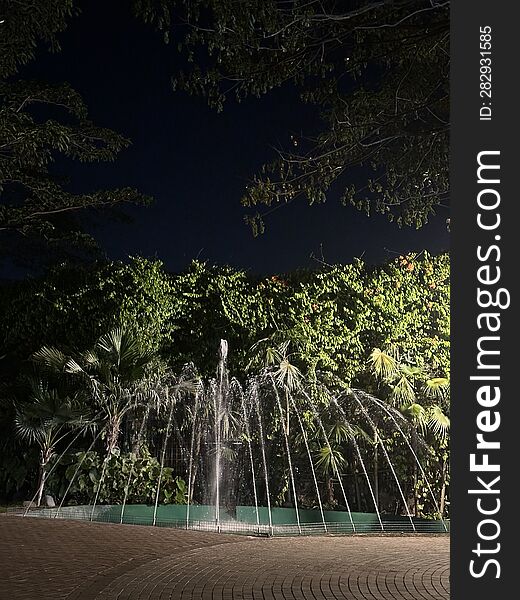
<point>248,454</point>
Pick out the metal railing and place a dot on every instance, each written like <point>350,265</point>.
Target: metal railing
<point>106,514</point>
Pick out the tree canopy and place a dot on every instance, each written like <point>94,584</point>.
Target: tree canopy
<point>40,124</point>
<point>378,71</point>
<point>332,317</point>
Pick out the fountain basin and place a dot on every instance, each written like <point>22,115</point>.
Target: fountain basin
<point>244,519</point>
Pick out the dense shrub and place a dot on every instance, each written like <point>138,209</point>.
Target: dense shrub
<point>140,473</point>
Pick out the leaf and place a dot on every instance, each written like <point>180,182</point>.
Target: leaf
<point>403,392</point>
<point>288,375</point>
<point>438,421</point>
<point>384,365</point>
<point>437,387</point>
<point>329,459</point>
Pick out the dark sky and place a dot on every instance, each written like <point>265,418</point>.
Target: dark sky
<point>196,162</point>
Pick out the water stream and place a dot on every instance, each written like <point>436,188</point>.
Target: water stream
<point>237,449</point>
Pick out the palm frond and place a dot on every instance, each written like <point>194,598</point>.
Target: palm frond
<point>288,375</point>
<point>51,358</point>
<point>73,367</point>
<point>438,421</point>
<point>418,414</point>
<point>329,459</point>
<point>383,364</point>
<point>403,391</point>
<point>340,432</point>
<point>44,413</point>
<point>411,371</point>
<point>437,387</point>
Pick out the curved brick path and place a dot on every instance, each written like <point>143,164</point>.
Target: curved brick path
<point>69,560</point>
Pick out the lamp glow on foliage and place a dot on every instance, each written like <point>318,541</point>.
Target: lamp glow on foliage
<point>383,364</point>
<point>406,383</point>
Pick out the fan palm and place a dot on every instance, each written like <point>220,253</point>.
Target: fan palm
<point>329,461</point>
<point>115,374</point>
<point>421,399</point>
<point>45,418</point>
<point>407,383</point>
<point>383,364</point>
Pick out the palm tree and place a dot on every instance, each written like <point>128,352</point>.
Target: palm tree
<point>114,373</point>
<point>330,460</point>
<point>421,399</point>
<point>276,361</point>
<point>45,417</point>
<point>407,383</point>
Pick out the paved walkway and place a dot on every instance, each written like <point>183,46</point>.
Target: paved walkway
<point>72,560</point>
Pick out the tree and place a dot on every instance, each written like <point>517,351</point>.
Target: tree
<point>332,317</point>
<point>45,417</point>
<point>114,374</point>
<point>24,26</point>
<point>424,402</point>
<point>40,122</point>
<point>414,391</point>
<point>378,71</point>
<point>83,302</point>
<point>330,458</point>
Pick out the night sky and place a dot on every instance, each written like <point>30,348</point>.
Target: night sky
<point>196,162</point>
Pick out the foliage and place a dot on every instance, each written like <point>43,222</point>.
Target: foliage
<point>113,373</point>
<point>83,470</point>
<point>423,399</point>
<point>40,122</point>
<point>378,72</point>
<point>17,461</point>
<point>25,26</point>
<point>72,306</point>
<point>415,392</point>
<point>332,317</point>
<point>45,415</point>
<point>314,326</point>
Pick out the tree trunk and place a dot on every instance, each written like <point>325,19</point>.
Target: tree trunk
<point>113,435</point>
<point>442,499</point>
<point>376,473</point>
<point>136,441</point>
<point>45,456</point>
<point>41,483</point>
<point>330,491</point>
<point>358,493</point>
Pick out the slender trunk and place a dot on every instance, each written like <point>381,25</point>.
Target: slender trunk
<point>442,499</point>
<point>41,483</point>
<point>330,491</point>
<point>358,493</point>
<point>113,435</point>
<point>45,456</point>
<point>289,501</point>
<point>137,427</point>
<point>376,472</point>
<point>192,483</point>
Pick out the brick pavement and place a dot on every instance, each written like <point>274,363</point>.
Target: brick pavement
<point>72,560</point>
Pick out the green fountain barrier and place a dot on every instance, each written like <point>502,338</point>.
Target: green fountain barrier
<point>283,520</point>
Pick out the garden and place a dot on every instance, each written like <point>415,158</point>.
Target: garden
<point>255,378</point>
<point>211,396</point>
